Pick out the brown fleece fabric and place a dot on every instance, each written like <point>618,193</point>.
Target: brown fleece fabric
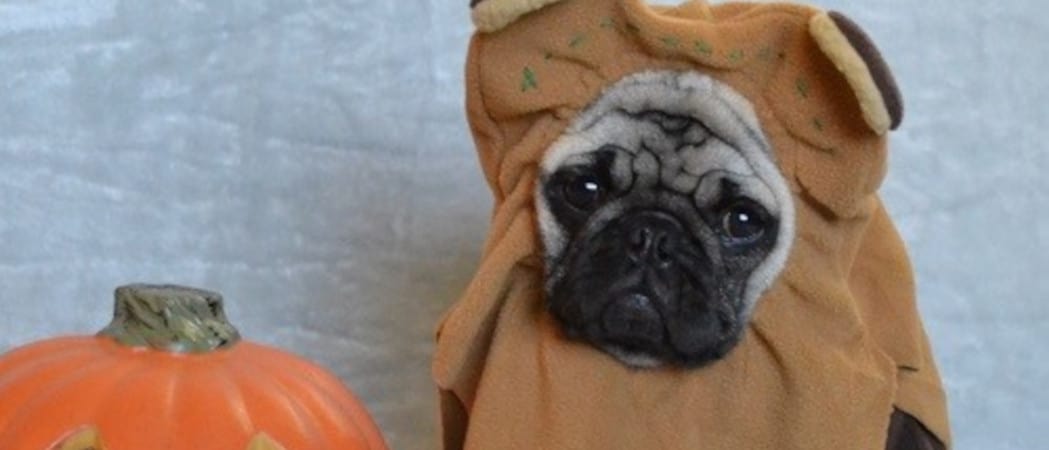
<point>834,344</point>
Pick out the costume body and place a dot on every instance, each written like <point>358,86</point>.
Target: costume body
<point>835,344</point>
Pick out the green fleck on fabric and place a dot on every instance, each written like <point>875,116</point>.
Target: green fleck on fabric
<point>803,88</point>
<point>633,28</point>
<point>670,41</point>
<point>703,48</point>
<point>577,40</point>
<point>608,22</point>
<point>547,56</point>
<point>765,54</point>
<point>528,82</point>
<point>816,122</point>
<point>736,55</point>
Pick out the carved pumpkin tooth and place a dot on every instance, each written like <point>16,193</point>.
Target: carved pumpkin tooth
<point>262,441</point>
<point>85,439</point>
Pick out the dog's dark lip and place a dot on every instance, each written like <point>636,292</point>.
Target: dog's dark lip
<point>644,358</point>
<point>642,300</point>
<point>727,341</point>
<point>635,359</point>
<point>627,283</point>
<point>708,356</point>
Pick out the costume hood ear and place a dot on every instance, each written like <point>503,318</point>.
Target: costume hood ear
<point>493,15</point>
<point>856,56</point>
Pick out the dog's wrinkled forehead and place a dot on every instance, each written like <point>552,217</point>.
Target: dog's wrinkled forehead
<point>684,132</point>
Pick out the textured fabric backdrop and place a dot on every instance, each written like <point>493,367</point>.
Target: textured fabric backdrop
<point>310,160</point>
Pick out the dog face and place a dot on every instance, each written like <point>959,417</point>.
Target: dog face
<point>663,218</point>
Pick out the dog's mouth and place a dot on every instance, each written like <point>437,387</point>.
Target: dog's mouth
<point>633,329</point>
<point>633,321</point>
<point>638,328</point>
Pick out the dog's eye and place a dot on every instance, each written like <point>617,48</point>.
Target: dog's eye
<point>744,222</point>
<point>583,191</point>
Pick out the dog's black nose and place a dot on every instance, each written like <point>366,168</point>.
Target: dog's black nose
<point>651,236</point>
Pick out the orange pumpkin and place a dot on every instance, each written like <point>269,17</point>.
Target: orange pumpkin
<point>171,373</point>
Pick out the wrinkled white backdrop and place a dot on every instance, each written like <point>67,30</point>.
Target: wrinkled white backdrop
<point>310,160</point>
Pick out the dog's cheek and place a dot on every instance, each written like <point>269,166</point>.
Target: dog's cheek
<point>550,230</point>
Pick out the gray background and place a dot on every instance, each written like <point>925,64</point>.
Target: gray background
<point>310,160</point>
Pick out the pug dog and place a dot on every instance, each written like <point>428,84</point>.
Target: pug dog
<point>658,174</point>
<point>663,217</point>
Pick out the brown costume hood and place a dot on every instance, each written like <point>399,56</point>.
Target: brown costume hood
<point>834,344</point>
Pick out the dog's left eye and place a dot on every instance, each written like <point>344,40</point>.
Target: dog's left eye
<point>744,222</point>
<point>583,191</point>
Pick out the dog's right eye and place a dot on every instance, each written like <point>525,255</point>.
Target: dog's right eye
<point>583,191</point>
<point>744,222</point>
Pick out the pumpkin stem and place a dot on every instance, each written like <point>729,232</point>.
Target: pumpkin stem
<point>170,318</point>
